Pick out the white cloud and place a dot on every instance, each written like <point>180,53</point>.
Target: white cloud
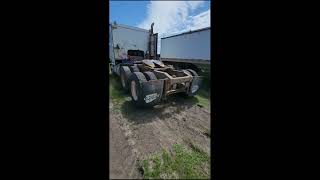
<point>172,17</point>
<point>199,21</point>
<point>195,4</point>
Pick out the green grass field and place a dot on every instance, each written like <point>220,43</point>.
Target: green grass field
<point>182,163</point>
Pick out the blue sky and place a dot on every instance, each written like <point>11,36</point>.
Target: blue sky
<point>128,12</point>
<point>169,17</point>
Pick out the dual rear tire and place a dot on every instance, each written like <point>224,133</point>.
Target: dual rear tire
<point>131,80</point>
<point>138,91</point>
<point>150,76</point>
<point>125,72</point>
<point>194,87</point>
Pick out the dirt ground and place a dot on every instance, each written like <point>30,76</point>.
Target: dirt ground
<point>136,133</point>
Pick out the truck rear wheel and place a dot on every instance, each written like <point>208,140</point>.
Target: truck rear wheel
<point>124,75</point>
<point>135,81</point>
<point>134,68</point>
<point>137,92</point>
<point>187,72</point>
<point>194,87</point>
<point>150,75</point>
<point>194,73</point>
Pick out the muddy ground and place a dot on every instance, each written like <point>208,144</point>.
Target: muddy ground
<point>136,133</point>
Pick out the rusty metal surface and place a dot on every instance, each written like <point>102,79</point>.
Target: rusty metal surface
<point>159,63</point>
<point>170,83</point>
<point>148,63</point>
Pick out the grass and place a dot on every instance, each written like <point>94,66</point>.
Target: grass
<point>182,163</point>
<point>203,95</point>
<point>203,98</point>
<point>115,90</point>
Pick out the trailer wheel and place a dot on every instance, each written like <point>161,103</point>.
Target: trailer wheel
<point>150,75</point>
<point>134,68</point>
<point>124,75</point>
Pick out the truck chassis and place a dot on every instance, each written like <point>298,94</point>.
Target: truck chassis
<point>150,81</point>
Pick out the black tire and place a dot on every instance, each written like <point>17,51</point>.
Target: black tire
<point>137,93</point>
<point>187,72</point>
<point>138,78</point>
<point>112,70</point>
<point>150,75</point>
<point>124,75</point>
<point>191,91</point>
<point>194,67</point>
<point>194,73</point>
<point>134,68</point>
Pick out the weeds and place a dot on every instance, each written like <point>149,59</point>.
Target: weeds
<point>182,163</point>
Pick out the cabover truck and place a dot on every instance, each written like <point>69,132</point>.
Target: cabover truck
<point>133,57</point>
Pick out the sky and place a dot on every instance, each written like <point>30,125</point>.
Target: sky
<point>169,17</point>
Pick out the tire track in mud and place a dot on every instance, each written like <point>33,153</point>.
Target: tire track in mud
<point>163,130</point>
<point>123,155</point>
<point>147,131</point>
<point>191,128</point>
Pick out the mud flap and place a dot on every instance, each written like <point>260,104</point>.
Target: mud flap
<point>152,92</point>
<point>195,85</point>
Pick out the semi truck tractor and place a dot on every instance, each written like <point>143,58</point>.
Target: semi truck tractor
<point>133,57</point>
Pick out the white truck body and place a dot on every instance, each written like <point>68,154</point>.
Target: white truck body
<point>124,38</point>
<point>189,47</point>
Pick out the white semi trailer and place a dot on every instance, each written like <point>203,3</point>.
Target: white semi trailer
<point>133,56</point>
<point>187,50</point>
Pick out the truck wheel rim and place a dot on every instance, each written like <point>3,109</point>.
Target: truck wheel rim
<point>122,81</point>
<point>134,90</point>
